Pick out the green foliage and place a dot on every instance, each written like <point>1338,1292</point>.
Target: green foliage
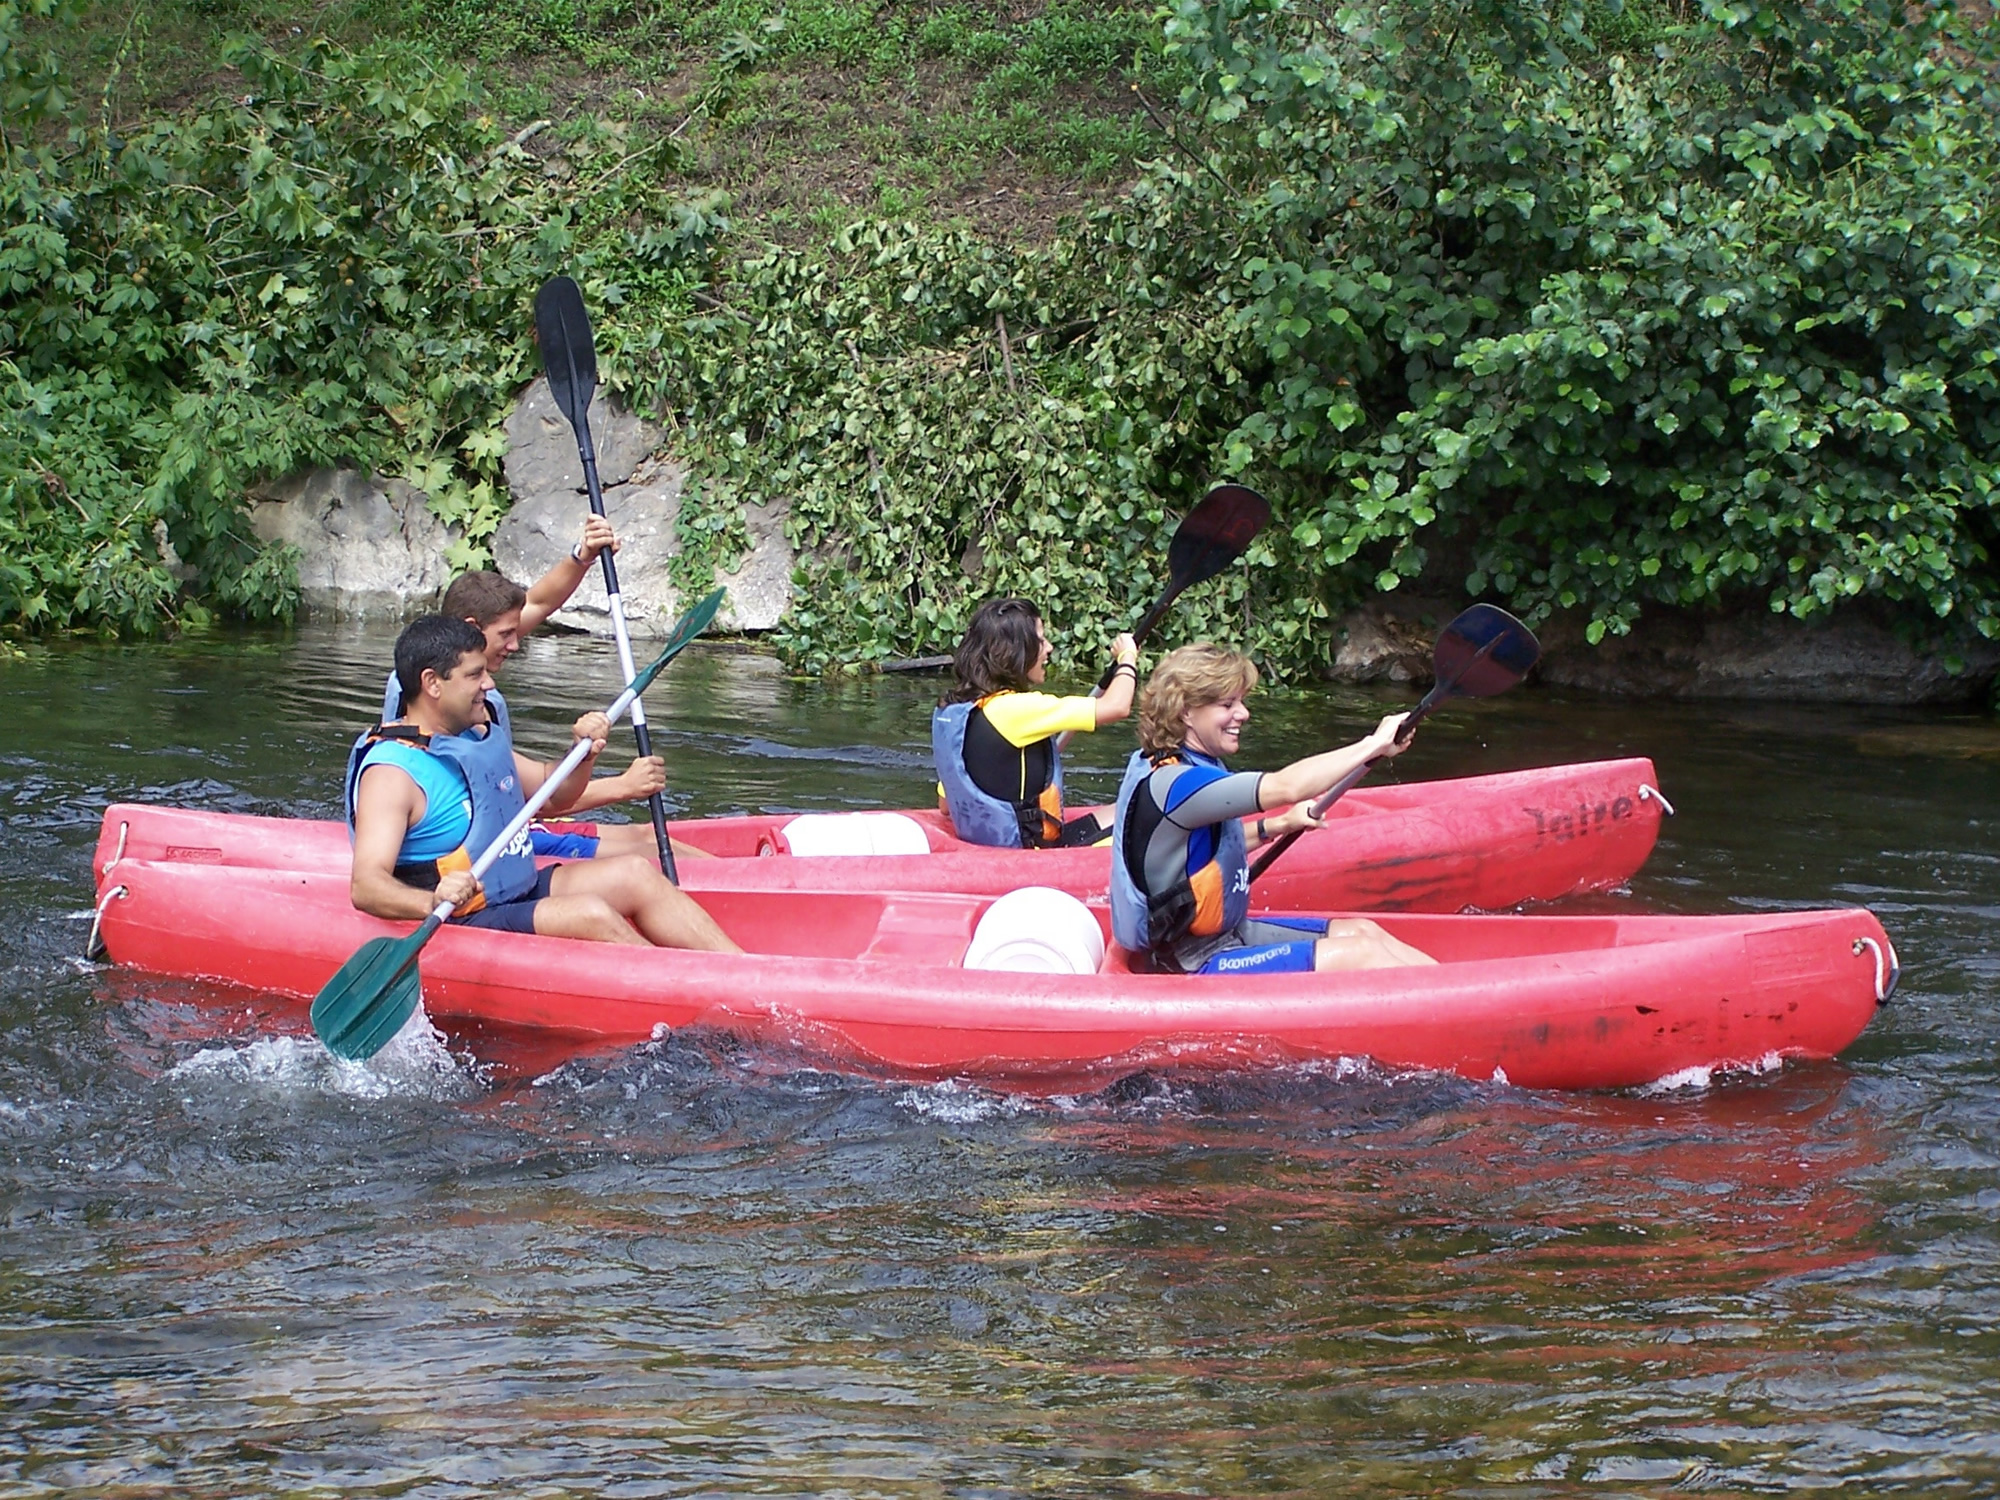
<point>335,268</point>
<point>1475,298</point>
<point>1581,307</point>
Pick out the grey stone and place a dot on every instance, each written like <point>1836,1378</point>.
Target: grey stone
<point>365,547</point>
<point>1389,640</point>
<point>1748,654</point>
<point>541,448</point>
<point>541,528</point>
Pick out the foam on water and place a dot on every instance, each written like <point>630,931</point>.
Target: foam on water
<point>416,1062</point>
<point>956,1102</point>
<point>1702,1077</point>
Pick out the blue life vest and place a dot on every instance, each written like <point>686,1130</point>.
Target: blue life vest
<point>1212,900</point>
<point>486,761</point>
<point>978,816</point>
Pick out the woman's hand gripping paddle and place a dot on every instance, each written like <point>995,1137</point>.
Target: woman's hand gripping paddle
<point>1211,537</point>
<point>1482,652</point>
<point>569,355</point>
<point>367,1002</point>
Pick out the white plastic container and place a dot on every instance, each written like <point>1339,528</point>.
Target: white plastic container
<point>810,835</point>
<point>1036,930</point>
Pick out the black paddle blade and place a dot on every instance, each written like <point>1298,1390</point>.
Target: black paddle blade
<point>375,992</point>
<point>569,353</point>
<point>1482,652</point>
<point>1215,534</point>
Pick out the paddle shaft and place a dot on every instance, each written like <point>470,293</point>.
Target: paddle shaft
<point>1438,693</point>
<point>588,453</point>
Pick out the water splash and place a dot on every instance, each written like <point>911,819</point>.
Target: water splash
<point>1702,1076</point>
<point>415,1063</point>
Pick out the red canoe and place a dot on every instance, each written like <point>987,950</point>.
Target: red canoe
<point>876,981</point>
<point>1488,842</point>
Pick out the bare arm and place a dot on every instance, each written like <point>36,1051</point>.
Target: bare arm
<point>1317,774</point>
<point>532,773</point>
<point>552,590</point>
<point>635,783</point>
<point>386,806</point>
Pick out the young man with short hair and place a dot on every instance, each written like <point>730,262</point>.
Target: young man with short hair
<point>505,613</point>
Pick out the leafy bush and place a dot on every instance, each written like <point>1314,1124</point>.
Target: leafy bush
<point>1569,328</point>
<point>335,268</point>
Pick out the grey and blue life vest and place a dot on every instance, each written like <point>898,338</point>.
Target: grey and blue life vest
<point>486,761</point>
<point>1147,916</point>
<point>978,816</point>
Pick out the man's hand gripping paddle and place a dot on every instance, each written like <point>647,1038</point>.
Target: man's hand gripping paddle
<point>1211,537</point>
<point>569,355</point>
<point>367,1002</point>
<point>1482,652</point>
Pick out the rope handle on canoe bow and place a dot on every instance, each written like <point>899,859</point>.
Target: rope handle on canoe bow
<point>1888,968</point>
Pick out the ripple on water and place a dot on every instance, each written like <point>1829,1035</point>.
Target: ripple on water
<point>230,1264</point>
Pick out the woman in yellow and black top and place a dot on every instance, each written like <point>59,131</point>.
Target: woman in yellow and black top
<point>995,739</point>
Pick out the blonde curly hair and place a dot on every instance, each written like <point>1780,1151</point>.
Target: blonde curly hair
<point>1190,677</point>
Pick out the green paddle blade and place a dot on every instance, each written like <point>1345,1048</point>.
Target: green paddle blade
<point>690,625</point>
<point>375,992</point>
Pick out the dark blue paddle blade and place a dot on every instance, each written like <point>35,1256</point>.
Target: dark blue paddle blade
<point>569,351</point>
<point>373,995</point>
<point>1482,652</point>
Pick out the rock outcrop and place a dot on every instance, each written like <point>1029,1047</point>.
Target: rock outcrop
<point>369,548</point>
<point>366,547</point>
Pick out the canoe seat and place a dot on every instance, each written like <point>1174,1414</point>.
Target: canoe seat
<point>926,929</point>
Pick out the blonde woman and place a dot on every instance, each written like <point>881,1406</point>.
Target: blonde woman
<point>1180,871</point>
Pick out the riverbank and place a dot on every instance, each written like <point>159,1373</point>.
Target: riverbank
<point>1617,365</point>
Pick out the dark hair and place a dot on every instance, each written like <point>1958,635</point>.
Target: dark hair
<point>482,598</point>
<point>434,643</point>
<point>1001,646</point>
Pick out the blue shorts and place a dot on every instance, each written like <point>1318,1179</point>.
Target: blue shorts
<point>1261,946</point>
<point>564,840</point>
<point>517,915</point>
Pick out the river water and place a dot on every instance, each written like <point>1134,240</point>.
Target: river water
<point>684,1269</point>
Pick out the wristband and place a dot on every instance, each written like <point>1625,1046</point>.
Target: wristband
<point>1262,836</point>
<point>576,554</point>
<point>1127,666</point>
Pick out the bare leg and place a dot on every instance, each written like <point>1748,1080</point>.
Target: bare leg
<point>616,839</point>
<point>588,917</point>
<point>1360,944</point>
<point>634,888</point>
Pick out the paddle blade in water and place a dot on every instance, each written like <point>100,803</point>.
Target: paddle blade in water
<point>1484,651</point>
<point>569,353</point>
<point>367,1002</point>
<point>1215,533</point>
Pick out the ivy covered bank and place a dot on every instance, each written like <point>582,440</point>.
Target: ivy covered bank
<point>1579,308</point>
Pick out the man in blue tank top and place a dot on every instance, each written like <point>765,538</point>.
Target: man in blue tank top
<point>428,792</point>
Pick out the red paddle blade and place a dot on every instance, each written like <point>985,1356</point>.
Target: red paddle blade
<point>1215,533</point>
<point>1482,652</point>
